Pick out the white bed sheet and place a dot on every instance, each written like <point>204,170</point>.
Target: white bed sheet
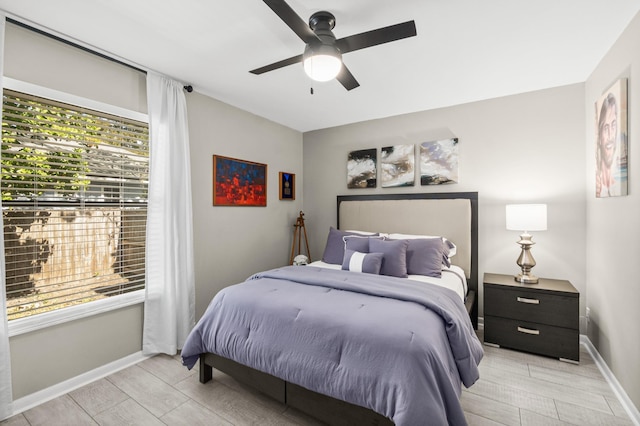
<point>452,277</point>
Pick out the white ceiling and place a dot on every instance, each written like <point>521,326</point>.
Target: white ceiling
<point>465,50</point>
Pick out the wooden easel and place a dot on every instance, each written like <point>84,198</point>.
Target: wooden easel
<point>297,238</point>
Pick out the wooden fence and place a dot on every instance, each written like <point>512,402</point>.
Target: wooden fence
<point>60,257</point>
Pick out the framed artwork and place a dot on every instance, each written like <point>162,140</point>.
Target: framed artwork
<point>361,169</point>
<point>238,182</point>
<point>397,166</point>
<point>611,141</point>
<point>439,162</point>
<point>287,186</point>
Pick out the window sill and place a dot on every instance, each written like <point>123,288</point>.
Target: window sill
<point>49,319</point>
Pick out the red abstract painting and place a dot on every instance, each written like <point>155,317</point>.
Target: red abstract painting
<point>239,182</point>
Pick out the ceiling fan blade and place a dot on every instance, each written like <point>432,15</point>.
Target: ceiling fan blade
<point>291,18</point>
<point>346,78</point>
<point>277,65</point>
<point>376,37</point>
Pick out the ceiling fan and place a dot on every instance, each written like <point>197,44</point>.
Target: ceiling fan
<point>322,57</point>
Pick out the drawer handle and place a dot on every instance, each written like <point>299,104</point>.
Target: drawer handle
<point>528,331</point>
<point>530,301</point>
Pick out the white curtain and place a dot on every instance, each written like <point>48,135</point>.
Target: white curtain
<point>169,309</point>
<point>6,396</point>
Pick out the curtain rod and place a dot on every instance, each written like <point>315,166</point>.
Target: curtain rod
<point>188,88</point>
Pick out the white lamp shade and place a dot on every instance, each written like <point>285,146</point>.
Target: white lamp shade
<point>526,217</point>
<point>322,67</point>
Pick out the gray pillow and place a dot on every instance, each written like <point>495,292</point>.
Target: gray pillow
<point>447,248</point>
<point>334,249</point>
<point>358,242</point>
<point>369,263</point>
<point>395,256</point>
<point>425,257</point>
<point>450,248</point>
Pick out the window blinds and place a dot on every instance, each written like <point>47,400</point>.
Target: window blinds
<point>74,203</point>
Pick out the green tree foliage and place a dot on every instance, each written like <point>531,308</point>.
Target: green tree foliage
<point>28,171</point>
<point>52,150</point>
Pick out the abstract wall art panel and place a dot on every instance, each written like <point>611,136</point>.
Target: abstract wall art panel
<point>397,166</point>
<point>439,162</point>
<point>361,169</point>
<point>239,182</point>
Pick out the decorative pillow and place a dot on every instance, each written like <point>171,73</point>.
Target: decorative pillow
<point>369,263</point>
<point>334,249</point>
<point>450,244</point>
<point>395,256</point>
<point>358,242</point>
<point>425,256</point>
<point>450,248</point>
<point>448,252</point>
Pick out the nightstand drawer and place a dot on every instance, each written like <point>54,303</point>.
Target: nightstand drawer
<point>526,336</point>
<point>531,305</point>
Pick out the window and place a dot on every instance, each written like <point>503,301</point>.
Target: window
<point>74,203</point>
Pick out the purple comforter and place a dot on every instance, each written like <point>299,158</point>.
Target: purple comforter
<point>398,347</point>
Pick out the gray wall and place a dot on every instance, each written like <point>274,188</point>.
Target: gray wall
<point>523,148</point>
<point>40,60</point>
<point>231,243</point>
<point>613,226</point>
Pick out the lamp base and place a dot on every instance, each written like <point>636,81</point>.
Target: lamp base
<point>526,279</point>
<point>526,261</point>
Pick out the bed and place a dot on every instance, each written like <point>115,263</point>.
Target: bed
<point>349,347</point>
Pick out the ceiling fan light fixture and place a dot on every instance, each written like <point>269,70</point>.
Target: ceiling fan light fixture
<point>322,57</point>
<point>322,62</point>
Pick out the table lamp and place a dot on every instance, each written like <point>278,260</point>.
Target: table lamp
<point>525,218</point>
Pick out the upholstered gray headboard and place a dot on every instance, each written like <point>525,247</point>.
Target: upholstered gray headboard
<point>449,218</point>
<point>453,215</point>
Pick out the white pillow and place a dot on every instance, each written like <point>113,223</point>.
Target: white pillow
<point>361,232</point>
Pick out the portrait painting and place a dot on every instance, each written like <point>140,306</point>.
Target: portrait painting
<point>238,182</point>
<point>397,166</point>
<point>611,141</point>
<point>439,162</point>
<point>287,186</point>
<point>361,169</point>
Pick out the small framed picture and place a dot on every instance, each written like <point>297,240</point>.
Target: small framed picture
<point>287,186</point>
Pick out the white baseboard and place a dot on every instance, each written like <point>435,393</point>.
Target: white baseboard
<point>617,389</point>
<point>608,375</point>
<point>40,397</point>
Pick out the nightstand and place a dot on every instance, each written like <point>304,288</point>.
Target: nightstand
<point>538,318</point>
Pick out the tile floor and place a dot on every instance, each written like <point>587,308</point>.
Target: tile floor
<point>514,389</point>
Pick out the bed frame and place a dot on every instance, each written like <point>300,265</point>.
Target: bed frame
<point>463,223</point>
